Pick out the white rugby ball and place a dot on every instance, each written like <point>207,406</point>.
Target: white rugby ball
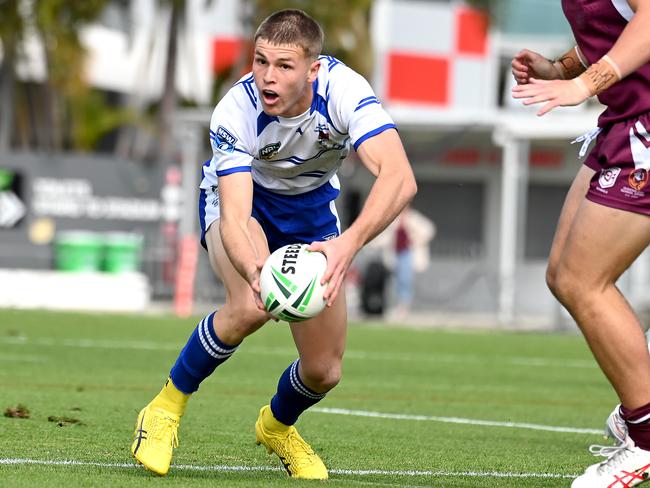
<point>290,283</point>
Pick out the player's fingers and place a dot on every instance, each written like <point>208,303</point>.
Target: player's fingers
<point>542,97</point>
<point>329,272</point>
<point>526,91</point>
<point>337,288</point>
<point>333,290</point>
<point>255,283</point>
<point>547,107</point>
<point>330,292</point>
<point>258,300</point>
<point>317,246</point>
<point>538,81</point>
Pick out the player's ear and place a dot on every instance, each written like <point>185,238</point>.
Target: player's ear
<point>313,70</point>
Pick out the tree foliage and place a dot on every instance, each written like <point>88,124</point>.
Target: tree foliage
<point>72,115</point>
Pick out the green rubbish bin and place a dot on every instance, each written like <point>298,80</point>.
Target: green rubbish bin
<point>122,252</point>
<point>77,251</point>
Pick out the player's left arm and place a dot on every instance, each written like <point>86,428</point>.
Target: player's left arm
<point>384,156</point>
<point>629,53</point>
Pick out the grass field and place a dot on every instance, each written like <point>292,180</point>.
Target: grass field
<point>414,408</point>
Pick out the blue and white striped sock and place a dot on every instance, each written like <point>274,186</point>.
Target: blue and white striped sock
<point>293,396</point>
<point>200,356</point>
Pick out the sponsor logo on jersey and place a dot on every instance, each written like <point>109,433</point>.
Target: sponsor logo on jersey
<point>224,140</point>
<point>270,150</point>
<point>329,237</point>
<point>638,179</point>
<point>608,177</point>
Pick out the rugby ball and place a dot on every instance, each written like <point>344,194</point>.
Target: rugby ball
<point>290,283</point>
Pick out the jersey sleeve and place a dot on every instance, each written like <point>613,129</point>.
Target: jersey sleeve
<point>231,134</point>
<point>356,106</point>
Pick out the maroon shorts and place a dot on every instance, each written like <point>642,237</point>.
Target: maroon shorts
<point>621,159</point>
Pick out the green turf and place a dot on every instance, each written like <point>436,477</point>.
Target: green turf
<point>101,369</point>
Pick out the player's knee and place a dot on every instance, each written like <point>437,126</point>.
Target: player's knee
<point>243,320</point>
<point>323,377</point>
<point>566,286</point>
<point>252,317</point>
<point>551,281</point>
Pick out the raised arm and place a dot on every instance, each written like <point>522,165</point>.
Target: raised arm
<point>629,53</point>
<point>394,187</point>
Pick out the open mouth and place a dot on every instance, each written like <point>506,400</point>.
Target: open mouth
<point>270,97</point>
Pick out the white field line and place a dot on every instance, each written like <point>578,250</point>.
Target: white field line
<point>272,351</point>
<point>351,472</point>
<point>454,420</point>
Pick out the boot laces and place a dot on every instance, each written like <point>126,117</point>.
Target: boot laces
<point>616,457</point>
<point>604,451</point>
<point>164,427</point>
<point>296,444</point>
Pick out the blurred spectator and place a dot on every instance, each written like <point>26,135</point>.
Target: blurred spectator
<point>405,252</point>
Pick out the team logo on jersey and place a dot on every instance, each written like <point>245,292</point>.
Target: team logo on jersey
<point>324,140</point>
<point>323,135</point>
<point>608,177</point>
<point>224,140</point>
<point>270,150</point>
<point>638,179</point>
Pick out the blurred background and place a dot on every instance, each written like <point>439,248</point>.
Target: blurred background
<point>104,114</point>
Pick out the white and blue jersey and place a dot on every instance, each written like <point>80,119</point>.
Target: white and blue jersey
<point>291,160</point>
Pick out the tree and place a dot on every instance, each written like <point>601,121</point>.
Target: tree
<point>59,23</point>
<point>11,32</point>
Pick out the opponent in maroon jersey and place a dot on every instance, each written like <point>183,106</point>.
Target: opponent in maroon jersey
<point>604,224</point>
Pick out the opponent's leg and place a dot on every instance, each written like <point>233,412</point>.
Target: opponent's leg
<point>320,342</point>
<point>574,198</point>
<point>213,341</point>
<point>601,244</point>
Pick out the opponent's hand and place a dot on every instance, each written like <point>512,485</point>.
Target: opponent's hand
<point>557,93</point>
<point>529,64</point>
<point>339,253</point>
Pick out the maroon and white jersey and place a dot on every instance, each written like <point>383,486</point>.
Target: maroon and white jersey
<point>596,25</point>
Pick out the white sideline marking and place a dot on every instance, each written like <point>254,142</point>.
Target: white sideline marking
<point>353,472</point>
<point>273,351</point>
<point>454,420</point>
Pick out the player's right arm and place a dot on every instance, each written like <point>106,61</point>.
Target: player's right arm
<point>236,202</point>
<point>232,139</point>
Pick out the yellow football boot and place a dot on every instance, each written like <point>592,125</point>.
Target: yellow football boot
<point>298,458</point>
<point>154,439</point>
<point>156,430</point>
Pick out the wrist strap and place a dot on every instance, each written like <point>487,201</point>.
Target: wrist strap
<point>570,64</point>
<point>599,76</point>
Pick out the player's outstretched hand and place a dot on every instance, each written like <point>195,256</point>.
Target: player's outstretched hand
<point>555,93</point>
<point>339,253</point>
<point>529,64</point>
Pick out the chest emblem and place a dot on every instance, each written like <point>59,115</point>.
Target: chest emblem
<point>270,150</point>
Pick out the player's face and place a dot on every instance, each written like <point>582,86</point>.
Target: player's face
<point>284,75</point>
